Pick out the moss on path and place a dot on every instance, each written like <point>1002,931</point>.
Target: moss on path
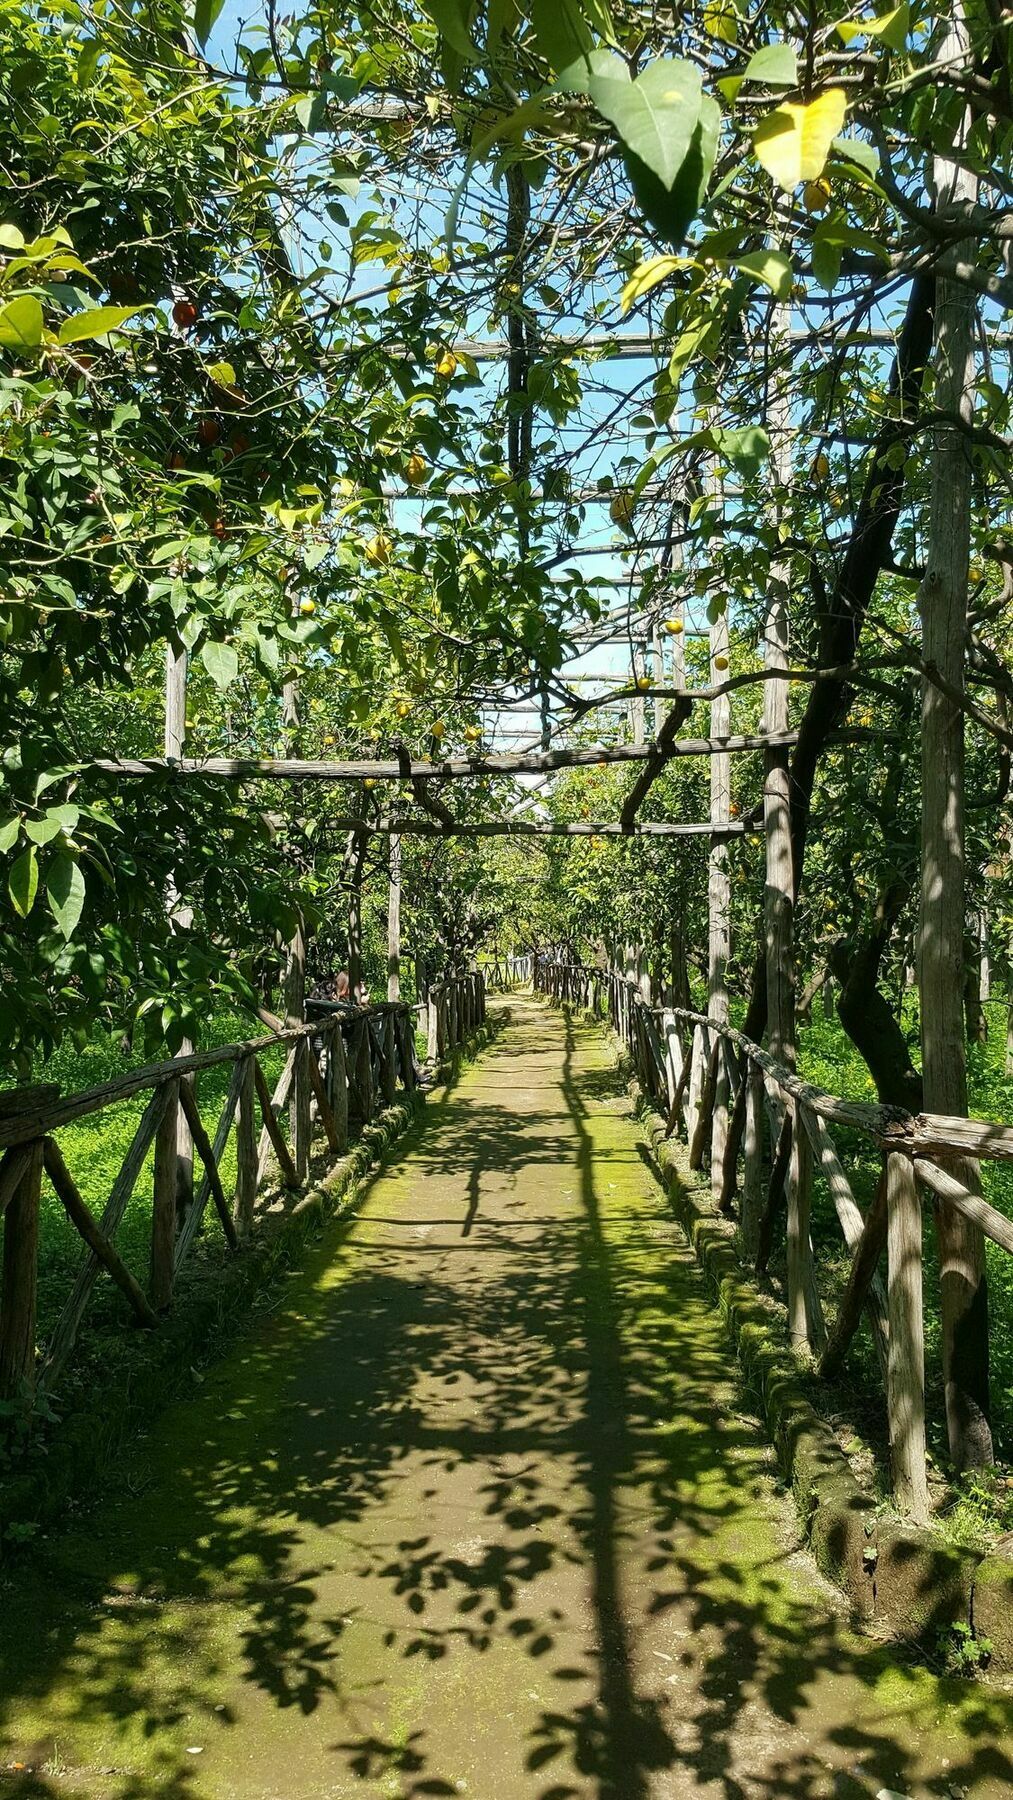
<point>479,1510</point>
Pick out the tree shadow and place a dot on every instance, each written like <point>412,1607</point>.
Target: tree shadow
<point>478,1505</point>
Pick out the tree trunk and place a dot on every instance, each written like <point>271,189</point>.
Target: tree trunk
<point>943,602</point>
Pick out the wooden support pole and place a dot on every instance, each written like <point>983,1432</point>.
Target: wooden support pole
<point>81,1218</point>
<point>775,1192</point>
<point>68,1324</point>
<point>337,1072</point>
<point>180,914</point>
<point>752,1173</point>
<point>246,1149</point>
<point>394,922</point>
<point>327,1118</point>
<point>867,1252</point>
<point>300,1127</point>
<point>388,1060</point>
<point>206,1153</point>
<point>163,1211</point>
<point>943,603</point>
<point>19,1283</point>
<point>805,1313</point>
<point>703,1127</point>
<point>906,1368</point>
<point>273,1129</point>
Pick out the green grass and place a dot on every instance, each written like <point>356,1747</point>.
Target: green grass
<point>982,1506</point>
<point>94,1149</point>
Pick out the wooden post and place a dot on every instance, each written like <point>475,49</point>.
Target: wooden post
<point>388,1060</point>
<point>943,602</point>
<point>300,1130</point>
<point>19,1283</point>
<point>433,1029</point>
<point>906,1355</point>
<point>337,1084</point>
<point>394,921</point>
<point>81,1218</point>
<point>180,915</point>
<point>719,887</point>
<point>778,899</point>
<point>246,1150</point>
<point>163,1210</point>
<point>805,1314</point>
<point>752,1173</point>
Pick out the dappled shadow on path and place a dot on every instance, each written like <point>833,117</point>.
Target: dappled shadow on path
<point>479,1512</point>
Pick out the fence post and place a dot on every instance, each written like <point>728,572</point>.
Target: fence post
<point>337,1081</point>
<point>388,1060</point>
<point>752,1173</point>
<point>246,1150</point>
<point>906,1353</point>
<point>803,1314</point>
<point>163,1203</point>
<point>299,1112</point>
<point>19,1287</point>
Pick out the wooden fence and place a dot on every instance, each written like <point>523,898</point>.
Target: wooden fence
<point>735,1105</point>
<point>455,1008</point>
<point>340,1068</point>
<point>509,971</point>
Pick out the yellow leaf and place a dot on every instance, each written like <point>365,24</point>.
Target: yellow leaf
<point>647,275</point>
<point>721,21</point>
<point>793,142</point>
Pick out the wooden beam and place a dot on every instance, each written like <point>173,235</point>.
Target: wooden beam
<point>81,1218</point>
<point>206,1153</point>
<point>519,762</point>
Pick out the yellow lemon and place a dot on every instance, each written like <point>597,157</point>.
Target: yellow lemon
<point>644,683</point>
<point>403,708</point>
<point>821,467</point>
<point>370,781</point>
<point>816,196</point>
<point>416,470</point>
<point>447,365</point>
<point>622,509</point>
<point>721,662</point>
<point>674,626</point>
<point>439,728</point>
<point>307,608</point>
<point>378,551</point>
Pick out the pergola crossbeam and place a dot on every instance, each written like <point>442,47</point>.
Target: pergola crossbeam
<point>534,762</point>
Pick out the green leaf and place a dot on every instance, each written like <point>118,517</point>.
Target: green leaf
<point>65,892</point>
<point>656,115</point>
<point>11,238</point>
<point>746,446</point>
<point>96,322</point>
<point>776,65</point>
<point>565,29</point>
<point>221,662</point>
<point>205,13</point>
<point>890,28</point>
<point>21,323</point>
<point>856,150</point>
<point>43,831</point>
<point>9,832</point>
<point>647,275</point>
<point>87,61</point>
<point>771,267</point>
<point>23,881</point>
<point>452,18</point>
<point>672,210</point>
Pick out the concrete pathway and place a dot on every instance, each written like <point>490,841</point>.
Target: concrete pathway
<point>478,1510</point>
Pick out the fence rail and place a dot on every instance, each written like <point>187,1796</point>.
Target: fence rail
<point>509,971</point>
<point>340,1068</point>
<point>737,1106</point>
